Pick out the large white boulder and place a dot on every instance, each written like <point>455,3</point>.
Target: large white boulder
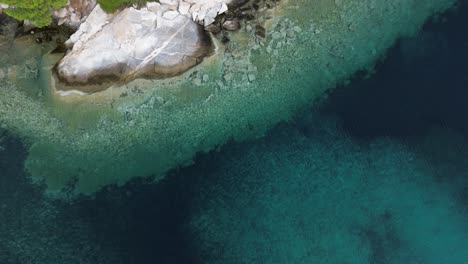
<point>163,38</point>
<point>134,43</point>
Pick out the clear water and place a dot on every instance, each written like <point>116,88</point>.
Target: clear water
<point>375,173</point>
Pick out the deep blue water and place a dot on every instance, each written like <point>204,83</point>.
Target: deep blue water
<point>421,86</point>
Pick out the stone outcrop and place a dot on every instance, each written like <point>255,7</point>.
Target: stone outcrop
<point>201,11</point>
<point>96,20</point>
<point>74,13</point>
<point>163,38</point>
<point>132,44</point>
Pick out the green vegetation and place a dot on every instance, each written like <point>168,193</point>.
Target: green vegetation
<point>112,5</point>
<point>36,11</point>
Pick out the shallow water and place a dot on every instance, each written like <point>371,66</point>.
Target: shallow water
<point>374,174</point>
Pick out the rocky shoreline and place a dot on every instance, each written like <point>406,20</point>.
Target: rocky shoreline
<point>131,44</point>
<point>102,49</point>
<point>284,57</point>
<point>157,39</point>
<point>153,40</point>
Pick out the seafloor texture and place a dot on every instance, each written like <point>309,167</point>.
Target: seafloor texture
<point>320,197</point>
<point>375,174</point>
<point>150,126</point>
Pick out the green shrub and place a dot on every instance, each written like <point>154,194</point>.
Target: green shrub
<point>36,11</point>
<point>112,5</point>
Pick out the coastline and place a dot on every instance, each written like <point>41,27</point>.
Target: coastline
<point>157,129</point>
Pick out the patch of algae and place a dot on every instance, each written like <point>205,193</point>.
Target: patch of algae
<point>147,127</point>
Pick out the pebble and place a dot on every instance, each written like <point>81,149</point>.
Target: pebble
<point>252,68</point>
<point>291,34</point>
<point>197,81</point>
<point>220,84</point>
<point>231,25</point>
<point>276,35</point>
<point>228,76</point>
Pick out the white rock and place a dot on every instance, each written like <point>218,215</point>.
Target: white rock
<point>160,39</point>
<point>62,21</point>
<point>131,45</point>
<point>93,23</point>
<point>210,16</point>
<point>223,9</point>
<point>75,20</point>
<point>61,13</point>
<point>205,11</point>
<point>169,2</point>
<point>184,8</point>
<point>170,15</point>
<point>202,14</point>
<point>153,6</point>
<point>194,15</point>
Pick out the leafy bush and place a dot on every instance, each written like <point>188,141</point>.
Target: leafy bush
<point>112,5</point>
<point>36,11</point>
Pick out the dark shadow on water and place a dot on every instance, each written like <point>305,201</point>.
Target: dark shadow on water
<point>143,222</point>
<point>418,95</point>
<point>149,222</point>
<point>422,82</point>
<point>16,191</point>
<point>140,223</point>
<point>13,183</point>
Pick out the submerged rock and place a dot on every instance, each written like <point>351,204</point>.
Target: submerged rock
<point>135,43</point>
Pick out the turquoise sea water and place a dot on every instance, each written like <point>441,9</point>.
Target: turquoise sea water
<point>374,174</point>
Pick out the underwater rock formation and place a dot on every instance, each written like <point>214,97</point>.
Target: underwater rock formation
<point>281,60</point>
<point>135,43</point>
